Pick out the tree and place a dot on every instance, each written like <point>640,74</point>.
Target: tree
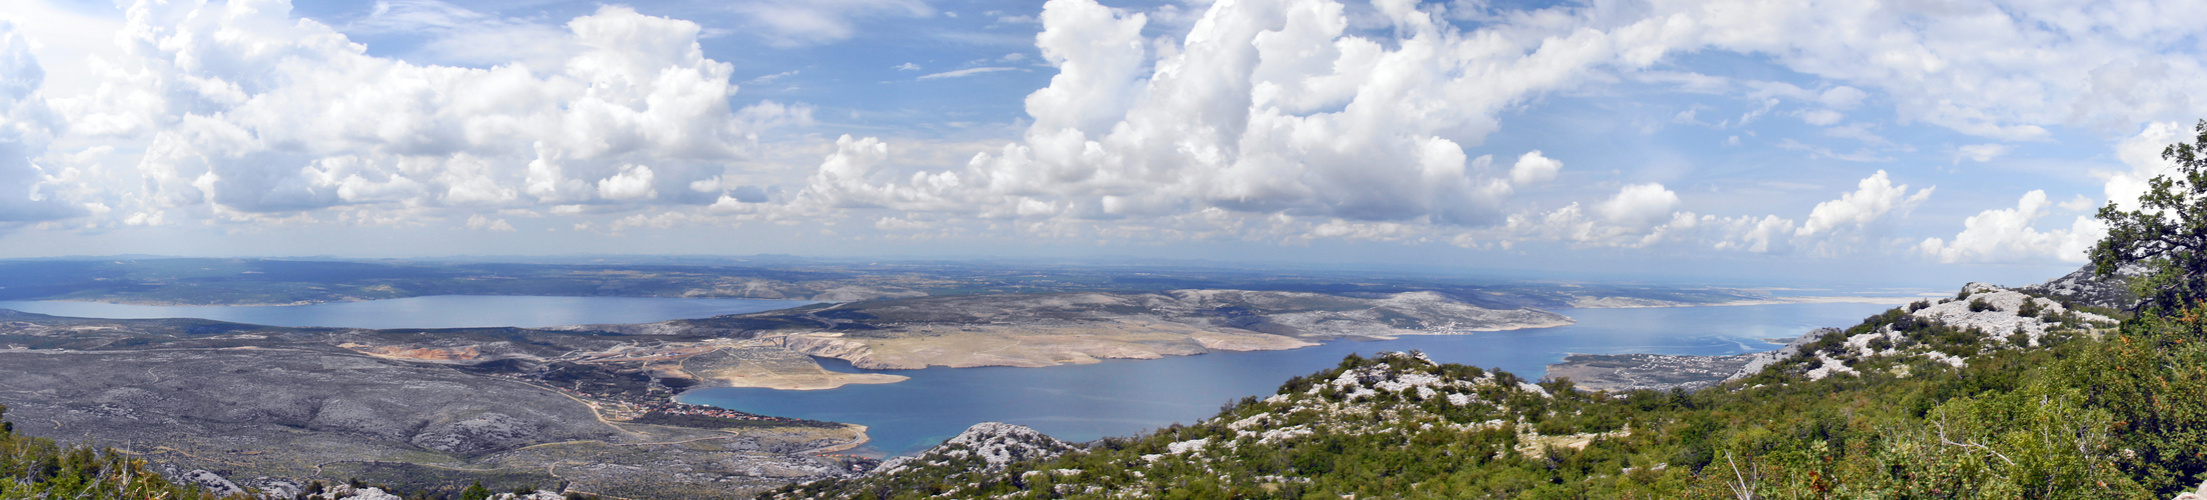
<point>475,492</point>
<point>2167,232</point>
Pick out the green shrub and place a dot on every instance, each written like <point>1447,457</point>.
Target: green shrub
<point>32,467</point>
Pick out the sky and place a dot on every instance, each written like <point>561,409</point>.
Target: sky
<point>1904,143</point>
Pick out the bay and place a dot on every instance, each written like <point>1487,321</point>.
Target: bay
<point>1124,397</point>
<point>434,311</point>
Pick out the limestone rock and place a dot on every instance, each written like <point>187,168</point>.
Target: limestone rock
<point>991,445</point>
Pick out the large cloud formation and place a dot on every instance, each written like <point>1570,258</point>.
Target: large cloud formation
<point>1263,107</point>
<point>2008,235</point>
<point>27,125</point>
<point>1256,119</point>
<point>246,112</point>
<point>1276,109</point>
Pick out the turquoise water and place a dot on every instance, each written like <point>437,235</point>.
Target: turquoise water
<point>1123,397</point>
<point>435,311</point>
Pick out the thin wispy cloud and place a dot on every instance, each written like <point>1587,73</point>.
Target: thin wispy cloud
<point>964,72</point>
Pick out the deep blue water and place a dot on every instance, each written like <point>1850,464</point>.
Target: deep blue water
<point>1123,397</point>
<point>435,311</point>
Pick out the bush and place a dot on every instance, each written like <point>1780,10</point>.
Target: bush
<point>1979,305</point>
<point>32,467</point>
<point>2029,309</point>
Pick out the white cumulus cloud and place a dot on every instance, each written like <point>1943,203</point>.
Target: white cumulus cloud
<point>1533,168</point>
<point>2142,153</point>
<point>1639,205</point>
<point>2009,235</point>
<point>242,111</point>
<point>1871,200</point>
<point>1268,106</point>
<point>633,182</point>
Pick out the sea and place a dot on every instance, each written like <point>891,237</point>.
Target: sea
<point>434,311</point>
<point>1125,397</point>
<point>1070,402</point>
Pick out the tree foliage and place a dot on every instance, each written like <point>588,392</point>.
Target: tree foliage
<point>2167,232</point>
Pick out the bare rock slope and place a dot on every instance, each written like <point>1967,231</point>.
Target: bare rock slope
<point>1980,318</point>
<point>2084,287</point>
<point>986,446</point>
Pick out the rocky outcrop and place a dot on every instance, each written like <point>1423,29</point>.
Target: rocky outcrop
<point>1988,318</point>
<point>2001,312</point>
<point>411,353</point>
<point>1758,361</point>
<point>1625,372</point>
<point>832,346</point>
<point>986,446</point>
<point>479,433</point>
<point>347,492</point>
<point>2006,318</point>
<point>2085,287</point>
<point>2200,494</point>
<point>212,482</point>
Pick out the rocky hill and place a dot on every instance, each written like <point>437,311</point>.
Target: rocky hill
<point>1980,319</point>
<point>983,449</point>
<point>2083,287</point>
<point>986,446</point>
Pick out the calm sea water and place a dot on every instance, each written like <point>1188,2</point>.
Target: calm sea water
<point>436,311</point>
<point>1123,397</point>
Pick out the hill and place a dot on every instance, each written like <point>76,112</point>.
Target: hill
<point>1994,393</point>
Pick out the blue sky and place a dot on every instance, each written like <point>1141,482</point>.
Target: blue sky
<point>1725,141</point>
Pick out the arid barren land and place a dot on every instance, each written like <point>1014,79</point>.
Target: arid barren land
<point>270,407</point>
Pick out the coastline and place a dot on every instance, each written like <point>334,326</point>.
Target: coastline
<point>1046,347</point>
<point>1836,299</point>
